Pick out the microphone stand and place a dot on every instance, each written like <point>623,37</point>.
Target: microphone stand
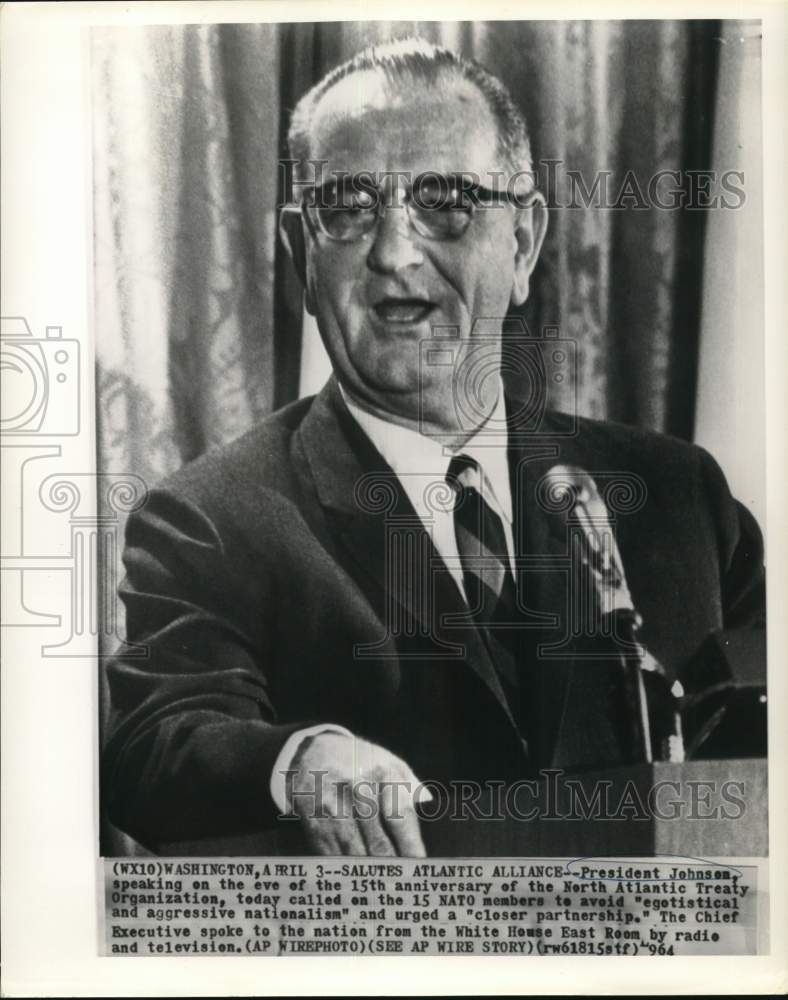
<point>601,556</point>
<point>627,626</point>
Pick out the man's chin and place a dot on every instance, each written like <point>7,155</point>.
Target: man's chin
<point>392,369</point>
<point>404,393</point>
<point>386,385</point>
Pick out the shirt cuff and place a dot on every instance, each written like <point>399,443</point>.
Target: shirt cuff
<point>284,761</point>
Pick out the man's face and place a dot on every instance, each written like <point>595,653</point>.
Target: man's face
<point>378,297</point>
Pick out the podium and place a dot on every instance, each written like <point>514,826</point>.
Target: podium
<point>700,809</point>
<point>704,809</point>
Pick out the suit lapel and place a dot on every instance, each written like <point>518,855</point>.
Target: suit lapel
<point>373,521</point>
<point>368,515</point>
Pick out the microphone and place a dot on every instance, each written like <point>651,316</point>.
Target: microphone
<point>600,557</point>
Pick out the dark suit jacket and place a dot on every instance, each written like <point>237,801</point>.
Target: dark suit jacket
<point>259,589</point>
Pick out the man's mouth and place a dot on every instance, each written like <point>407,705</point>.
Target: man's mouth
<point>396,310</point>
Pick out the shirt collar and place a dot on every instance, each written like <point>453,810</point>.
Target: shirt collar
<point>417,458</point>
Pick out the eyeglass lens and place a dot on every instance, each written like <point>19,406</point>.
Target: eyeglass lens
<point>438,207</point>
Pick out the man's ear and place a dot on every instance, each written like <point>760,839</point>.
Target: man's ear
<point>291,233</point>
<point>529,233</point>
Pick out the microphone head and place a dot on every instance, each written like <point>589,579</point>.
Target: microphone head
<point>573,490</point>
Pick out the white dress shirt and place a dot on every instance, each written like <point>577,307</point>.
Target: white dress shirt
<point>421,463</point>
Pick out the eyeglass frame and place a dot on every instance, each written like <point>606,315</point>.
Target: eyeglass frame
<point>454,183</point>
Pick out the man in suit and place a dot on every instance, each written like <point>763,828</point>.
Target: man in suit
<point>370,593</point>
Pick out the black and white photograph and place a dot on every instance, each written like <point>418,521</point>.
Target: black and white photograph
<point>420,575</point>
<point>492,543</point>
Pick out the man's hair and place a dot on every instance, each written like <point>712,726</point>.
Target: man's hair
<point>417,61</point>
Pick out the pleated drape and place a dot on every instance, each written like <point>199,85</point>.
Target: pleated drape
<point>198,315</point>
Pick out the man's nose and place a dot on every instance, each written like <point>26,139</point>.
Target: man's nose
<point>394,245</point>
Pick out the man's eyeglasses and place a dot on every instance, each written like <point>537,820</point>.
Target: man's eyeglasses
<point>439,207</point>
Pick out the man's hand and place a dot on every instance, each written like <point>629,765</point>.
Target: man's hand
<point>354,797</point>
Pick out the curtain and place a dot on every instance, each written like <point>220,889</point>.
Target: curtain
<point>731,407</point>
<point>198,315</point>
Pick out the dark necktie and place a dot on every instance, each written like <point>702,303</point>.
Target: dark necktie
<point>487,577</point>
